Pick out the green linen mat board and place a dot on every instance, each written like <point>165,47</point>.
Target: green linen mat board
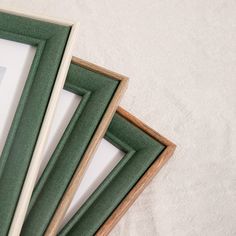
<point>101,91</point>
<point>146,152</point>
<point>50,41</point>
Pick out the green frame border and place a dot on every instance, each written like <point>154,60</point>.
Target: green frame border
<point>142,151</point>
<point>97,91</point>
<point>50,40</point>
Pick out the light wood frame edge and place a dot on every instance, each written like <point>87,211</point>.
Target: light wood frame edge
<point>146,178</point>
<point>99,134</point>
<point>44,18</point>
<point>31,177</point>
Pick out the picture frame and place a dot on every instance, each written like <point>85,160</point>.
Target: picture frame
<point>24,129</point>
<point>101,91</point>
<point>146,153</point>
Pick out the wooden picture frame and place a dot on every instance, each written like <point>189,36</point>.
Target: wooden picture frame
<point>146,152</point>
<point>101,91</point>
<point>53,40</point>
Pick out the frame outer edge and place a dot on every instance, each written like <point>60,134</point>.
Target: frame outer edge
<point>139,187</point>
<point>44,18</point>
<point>52,229</point>
<point>32,173</point>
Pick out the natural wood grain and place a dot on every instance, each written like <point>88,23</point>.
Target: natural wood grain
<point>100,132</point>
<point>101,70</point>
<point>146,178</point>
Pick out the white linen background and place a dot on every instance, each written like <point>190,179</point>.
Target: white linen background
<point>181,60</point>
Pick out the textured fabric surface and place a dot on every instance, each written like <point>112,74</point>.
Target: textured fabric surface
<point>180,56</point>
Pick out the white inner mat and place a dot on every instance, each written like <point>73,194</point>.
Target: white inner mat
<point>15,61</point>
<point>106,158</point>
<point>66,107</point>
